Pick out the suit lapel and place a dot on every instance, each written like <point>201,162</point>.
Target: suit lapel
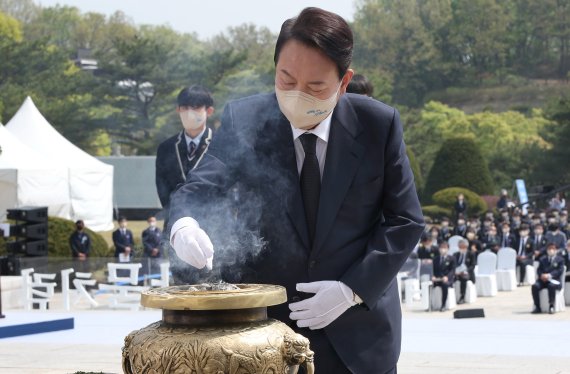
<point>344,154</point>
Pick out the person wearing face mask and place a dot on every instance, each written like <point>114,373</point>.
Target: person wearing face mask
<point>550,275</point>
<point>151,240</point>
<point>179,154</point>
<point>123,241</point>
<point>507,239</point>
<point>525,251</point>
<point>445,231</point>
<point>80,245</point>
<point>539,241</point>
<point>461,228</point>
<point>443,272</point>
<point>331,194</point>
<point>465,269</point>
<point>475,245</point>
<point>554,235</point>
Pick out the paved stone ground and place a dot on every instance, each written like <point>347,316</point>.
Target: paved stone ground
<point>508,340</point>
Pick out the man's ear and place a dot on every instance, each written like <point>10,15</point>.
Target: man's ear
<point>210,111</point>
<point>346,80</point>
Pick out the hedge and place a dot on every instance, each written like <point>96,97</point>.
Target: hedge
<point>415,166</point>
<point>436,212</point>
<point>459,163</point>
<point>447,197</point>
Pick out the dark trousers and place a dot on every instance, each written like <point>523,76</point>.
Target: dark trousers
<point>444,286</point>
<point>539,285</point>
<point>326,359</point>
<point>521,264</point>
<point>462,278</point>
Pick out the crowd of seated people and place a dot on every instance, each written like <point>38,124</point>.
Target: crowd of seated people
<point>537,236</point>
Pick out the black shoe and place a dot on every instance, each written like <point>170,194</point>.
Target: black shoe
<point>443,309</point>
<point>551,309</point>
<point>536,310</point>
<point>461,301</point>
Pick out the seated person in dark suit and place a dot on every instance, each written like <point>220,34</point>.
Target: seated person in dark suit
<point>445,232</point>
<point>525,251</point>
<point>465,270</point>
<point>460,228</point>
<point>123,242</point>
<point>426,251</point>
<point>443,272</point>
<point>475,244</point>
<point>491,239</point>
<point>507,238</point>
<point>539,241</point>
<point>549,275</point>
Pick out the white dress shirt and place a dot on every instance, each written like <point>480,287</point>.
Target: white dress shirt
<point>322,132</point>
<point>195,140</point>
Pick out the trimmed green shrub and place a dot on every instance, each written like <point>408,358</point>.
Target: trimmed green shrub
<point>446,198</point>
<point>60,229</point>
<point>415,166</point>
<point>459,163</point>
<point>436,212</point>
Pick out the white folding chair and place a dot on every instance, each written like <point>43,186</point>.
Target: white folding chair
<point>506,265</point>
<point>436,296</point>
<point>486,277</point>
<point>470,292</point>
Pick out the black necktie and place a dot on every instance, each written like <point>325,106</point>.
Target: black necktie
<point>310,182</point>
<point>461,259</point>
<point>192,151</point>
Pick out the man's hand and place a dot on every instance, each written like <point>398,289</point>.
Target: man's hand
<point>445,279</point>
<point>331,299</point>
<point>127,250</point>
<point>154,252</point>
<point>191,243</point>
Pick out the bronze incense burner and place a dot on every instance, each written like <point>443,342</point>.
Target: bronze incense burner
<point>216,329</point>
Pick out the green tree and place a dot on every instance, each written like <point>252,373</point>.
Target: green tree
<point>553,165</point>
<point>459,163</point>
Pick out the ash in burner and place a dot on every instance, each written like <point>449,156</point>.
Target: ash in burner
<point>213,287</point>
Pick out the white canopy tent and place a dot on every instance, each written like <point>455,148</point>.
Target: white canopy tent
<point>27,179</point>
<point>90,180</point>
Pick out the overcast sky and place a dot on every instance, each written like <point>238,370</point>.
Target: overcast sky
<point>207,17</point>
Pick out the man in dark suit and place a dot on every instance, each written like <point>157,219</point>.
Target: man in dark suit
<point>539,241</point>
<point>525,251</point>
<point>550,272</point>
<point>330,191</point>
<point>465,261</point>
<point>123,241</point>
<point>443,272</point>
<point>426,250</point>
<point>80,245</point>
<point>508,240</point>
<point>178,155</point>
<point>460,206</point>
<point>460,228</point>
<point>151,240</point>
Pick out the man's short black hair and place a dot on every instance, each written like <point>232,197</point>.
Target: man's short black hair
<point>122,218</point>
<point>360,85</point>
<point>195,96</point>
<point>318,28</point>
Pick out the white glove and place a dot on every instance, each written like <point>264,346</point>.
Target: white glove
<point>191,243</point>
<point>331,299</point>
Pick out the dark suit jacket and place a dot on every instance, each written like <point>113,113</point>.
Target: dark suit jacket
<point>121,241</point>
<point>151,239</point>
<point>528,250</point>
<point>79,243</point>
<point>369,217</point>
<point>444,268</point>
<point>470,262</point>
<point>427,253</point>
<point>460,209</point>
<point>172,164</point>
<point>555,269</point>
<point>511,241</point>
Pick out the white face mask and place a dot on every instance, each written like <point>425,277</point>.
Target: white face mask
<point>192,119</point>
<point>303,110</point>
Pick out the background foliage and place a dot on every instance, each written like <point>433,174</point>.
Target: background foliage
<point>495,71</point>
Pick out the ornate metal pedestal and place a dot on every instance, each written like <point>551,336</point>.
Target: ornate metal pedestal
<point>216,332</point>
